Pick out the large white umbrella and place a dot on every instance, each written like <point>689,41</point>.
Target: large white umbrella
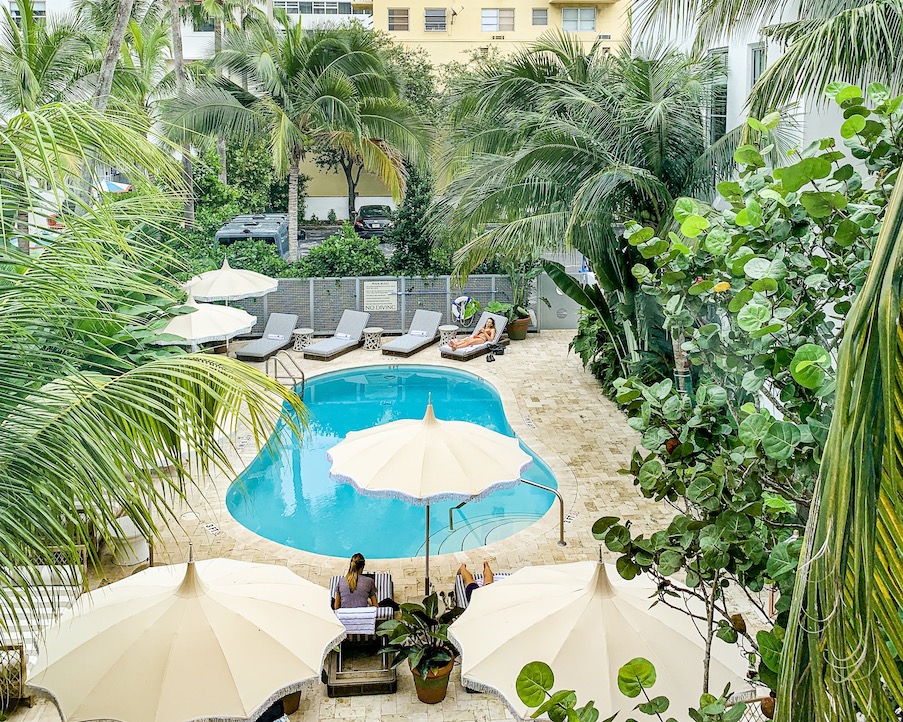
<point>208,322</point>
<point>585,624</point>
<point>426,460</point>
<point>217,639</point>
<point>230,284</point>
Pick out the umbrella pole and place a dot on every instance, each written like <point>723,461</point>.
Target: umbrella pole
<point>427,584</point>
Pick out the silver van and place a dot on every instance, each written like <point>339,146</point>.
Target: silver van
<point>269,227</point>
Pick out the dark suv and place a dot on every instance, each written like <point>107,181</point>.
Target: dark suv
<point>373,221</point>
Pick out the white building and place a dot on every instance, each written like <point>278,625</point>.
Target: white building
<point>746,54</point>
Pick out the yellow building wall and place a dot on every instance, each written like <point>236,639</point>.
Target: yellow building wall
<point>464,33</point>
<point>329,183</point>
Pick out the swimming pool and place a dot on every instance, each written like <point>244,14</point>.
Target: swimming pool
<point>288,496</point>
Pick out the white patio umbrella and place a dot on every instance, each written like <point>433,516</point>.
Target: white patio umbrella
<point>585,624</point>
<point>218,639</point>
<point>208,322</point>
<point>426,460</point>
<point>230,284</point>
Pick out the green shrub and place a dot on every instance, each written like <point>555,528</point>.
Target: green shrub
<point>346,254</point>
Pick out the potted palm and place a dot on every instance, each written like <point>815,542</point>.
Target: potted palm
<point>419,635</point>
<point>521,274</point>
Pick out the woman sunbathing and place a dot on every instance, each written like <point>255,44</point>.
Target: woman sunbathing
<point>484,335</point>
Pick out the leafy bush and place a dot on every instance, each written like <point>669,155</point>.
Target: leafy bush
<point>755,296</point>
<point>415,249</point>
<point>346,254</point>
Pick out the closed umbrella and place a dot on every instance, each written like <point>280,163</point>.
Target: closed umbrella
<point>230,284</point>
<point>585,625</point>
<point>208,322</point>
<point>218,639</point>
<point>426,460</point>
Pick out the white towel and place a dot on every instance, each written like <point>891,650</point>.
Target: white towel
<point>358,620</point>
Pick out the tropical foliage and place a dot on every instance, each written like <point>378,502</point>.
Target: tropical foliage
<point>90,409</point>
<point>419,636</point>
<point>556,145</point>
<point>842,650</point>
<point>321,86</point>
<point>756,294</point>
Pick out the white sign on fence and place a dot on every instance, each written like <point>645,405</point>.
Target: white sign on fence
<point>380,295</point>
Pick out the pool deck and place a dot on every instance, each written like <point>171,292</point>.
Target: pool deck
<point>555,407</point>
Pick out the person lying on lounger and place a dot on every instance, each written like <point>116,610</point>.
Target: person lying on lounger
<point>485,334</point>
<point>356,589</point>
<point>470,584</point>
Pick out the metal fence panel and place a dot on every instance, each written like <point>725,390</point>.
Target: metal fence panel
<point>319,302</point>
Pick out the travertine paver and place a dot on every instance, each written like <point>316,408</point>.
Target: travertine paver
<point>557,409</point>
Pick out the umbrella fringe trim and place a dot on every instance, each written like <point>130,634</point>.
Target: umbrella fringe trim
<point>300,686</point>
<point>445,496</point>
<point>255,294</point>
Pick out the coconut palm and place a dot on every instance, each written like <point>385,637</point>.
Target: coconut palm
<point>824,41</point>
<point>88,410</point>
<point>307,88</point>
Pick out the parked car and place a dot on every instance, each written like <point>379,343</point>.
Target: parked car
<point>373,221</point>
<point>269,227</point>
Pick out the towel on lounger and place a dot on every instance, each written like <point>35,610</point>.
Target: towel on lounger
<point>358,620</point>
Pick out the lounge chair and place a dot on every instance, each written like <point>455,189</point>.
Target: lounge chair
<point>276,336</point>
<point>348,336</point>
<point>461,592</point>
<point>465,354</point>
<point>342,682</point>
<point>423,331</point>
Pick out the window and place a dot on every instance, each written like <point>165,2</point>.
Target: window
<point>39,11</point>
<point>540,16</point>
<point>205,26</point>
<point>717,110</point>
<point>496,19</point>
<point>313,7</point>
<point>757,62</point>
<point>434,20</point>
<point>578,19</point>
<point>398,19</point>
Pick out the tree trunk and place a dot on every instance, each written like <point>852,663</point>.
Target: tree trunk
<point>352,187</point>
<point>223,158</point>
<point>293,211</point>
<point>111,56</point>
<point>220,138</point>
<point>178,57</point>
<point>24,238</point>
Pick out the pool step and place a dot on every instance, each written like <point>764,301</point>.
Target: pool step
<point>477,531</point>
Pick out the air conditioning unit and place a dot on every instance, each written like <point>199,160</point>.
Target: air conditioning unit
<point>604,36</point>
<point>498,37</point>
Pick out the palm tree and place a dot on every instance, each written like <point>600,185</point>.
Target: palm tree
<point>178,57</point>
<point>556,145</point>
<point>88,409</point>
<point>847,40</point>
<point>42,60</point>
<point>309,87</point>
<point>841,656</point>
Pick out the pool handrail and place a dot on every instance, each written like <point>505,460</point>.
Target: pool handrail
<point>561,541</point>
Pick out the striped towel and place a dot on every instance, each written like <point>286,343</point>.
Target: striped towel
<point>460,589</point>
<point>358,620</point>
<point>384,590</point>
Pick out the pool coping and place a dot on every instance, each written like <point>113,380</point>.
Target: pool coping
<point>544,530</point>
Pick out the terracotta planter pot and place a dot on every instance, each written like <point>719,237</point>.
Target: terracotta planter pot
<point>767,707</point>
<point>432,688</point>
<point>517,329</point>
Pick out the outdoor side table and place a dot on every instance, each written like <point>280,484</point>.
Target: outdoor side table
<point>447,333</point>
<point>302,338</point>
<point>373,338</point>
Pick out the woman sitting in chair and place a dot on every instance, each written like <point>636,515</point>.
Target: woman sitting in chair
<point>484,335</point>
<point>355,589</point>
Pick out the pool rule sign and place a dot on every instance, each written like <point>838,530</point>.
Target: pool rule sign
<point>380,295</point>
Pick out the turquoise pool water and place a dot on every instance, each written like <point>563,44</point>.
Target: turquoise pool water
<point>288,496</point>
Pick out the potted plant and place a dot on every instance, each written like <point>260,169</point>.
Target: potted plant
<point>419,634</point>
<point>521,274</point>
